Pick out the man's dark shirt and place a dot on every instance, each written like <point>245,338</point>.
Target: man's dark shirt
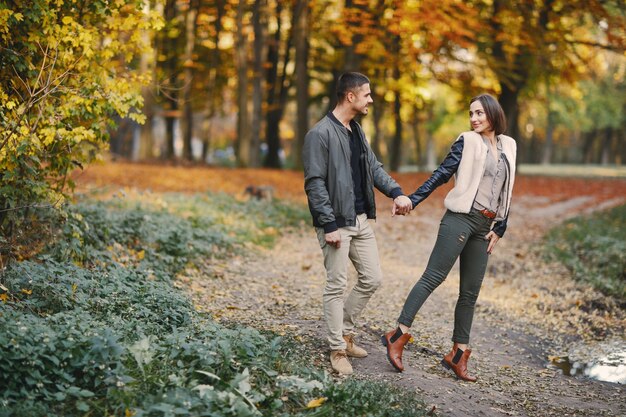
<point>357,172</point>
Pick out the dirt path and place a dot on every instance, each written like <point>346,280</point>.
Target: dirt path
<point>527,310</point>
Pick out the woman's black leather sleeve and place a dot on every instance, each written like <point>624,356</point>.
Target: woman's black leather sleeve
<point>441,175</point>
<point>500,227</point>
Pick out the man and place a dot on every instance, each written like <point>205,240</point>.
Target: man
<point>340,173</point>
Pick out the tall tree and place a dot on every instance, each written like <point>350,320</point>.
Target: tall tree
<point>396,143</point>
<point>169,69</point>
<point>144,134</point>
<point>242,147</point>
<point>278,81</point>
<point>301,14</point>
<point>259,22</point>
<point>191,24</point>
<point>218,68</point>
<point>546,156</point>
<point>525,41</point>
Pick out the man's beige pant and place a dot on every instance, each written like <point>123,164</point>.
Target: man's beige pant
<point>358,244</point>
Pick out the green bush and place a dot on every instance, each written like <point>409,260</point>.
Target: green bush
<point>55,118</point>
<point>594,249</point>
<point>95,327</point>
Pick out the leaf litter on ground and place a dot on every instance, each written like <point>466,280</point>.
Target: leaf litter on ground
<point>528,309</point>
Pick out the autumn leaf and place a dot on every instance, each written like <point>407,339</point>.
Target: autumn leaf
<point>316,402</point>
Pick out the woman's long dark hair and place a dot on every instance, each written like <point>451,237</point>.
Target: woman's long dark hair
<point>493,111</point>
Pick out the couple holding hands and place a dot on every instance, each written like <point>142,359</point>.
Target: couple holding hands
<point>340,174</point>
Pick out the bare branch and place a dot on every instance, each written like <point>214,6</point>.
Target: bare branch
<point>607,47</point>
<point>43,64</point>
<point>32,206</point>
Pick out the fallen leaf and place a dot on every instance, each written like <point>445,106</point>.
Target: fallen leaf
<point>316,402</point>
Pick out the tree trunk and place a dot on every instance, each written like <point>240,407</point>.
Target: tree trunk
<point>378,136</point>
<point>377,116</point>
<point>190,40</point>
<point>396,145</point>
<point>277,89</point>
<point>259,23</point>
<point>301,13</point>
<point>512,77</point>
<point>416,135</point>
<point>431,153</point>
<point>242,145</point>
<point>621,139</point>
<point>273,111</point>
<point>548,147</point>
<point>206,140</point>
<point>332,90</point>
<point>508,101</point>
<point>144,147</point>
<point>171,104</point>
<point>352,59</point>
<point>214,84</point>
<point>606,146</point>
<point>589,140</point>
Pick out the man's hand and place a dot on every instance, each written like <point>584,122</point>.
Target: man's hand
<point>334,239</point>
<point>401,205</point>
<point>493,238</point>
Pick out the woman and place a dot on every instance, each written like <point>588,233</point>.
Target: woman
<point>483,162</point>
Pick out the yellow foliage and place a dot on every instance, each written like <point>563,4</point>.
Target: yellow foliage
<point>66,80</point>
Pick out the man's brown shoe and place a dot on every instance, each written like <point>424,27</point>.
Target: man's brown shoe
<point>340,363</point>
<point>352,349</point>
<point>456,360</point>
<point>395,341</point>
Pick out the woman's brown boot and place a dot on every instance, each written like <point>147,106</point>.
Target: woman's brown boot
<point>395,341</point>
<point>457,361</point>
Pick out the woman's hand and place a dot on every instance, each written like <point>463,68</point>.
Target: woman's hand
<point>493,238</point>
<point>401,205</point>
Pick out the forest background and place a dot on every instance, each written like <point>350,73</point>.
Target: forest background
<point>240,83</point>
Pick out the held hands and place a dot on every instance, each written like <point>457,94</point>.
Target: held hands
<point>402,205</point>
<point>493,238</point>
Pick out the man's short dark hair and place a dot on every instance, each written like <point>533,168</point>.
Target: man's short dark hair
<point>493,111</point>
<point>349,81</point>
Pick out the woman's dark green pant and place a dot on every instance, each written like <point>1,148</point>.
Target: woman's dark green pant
<point>460,236</point>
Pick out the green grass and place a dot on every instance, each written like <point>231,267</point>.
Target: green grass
<point>593,248</point>
<point>94,325</point>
